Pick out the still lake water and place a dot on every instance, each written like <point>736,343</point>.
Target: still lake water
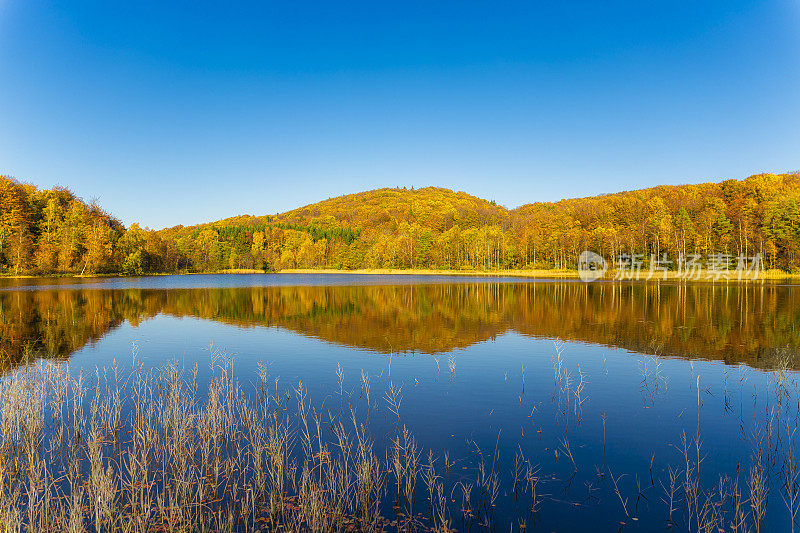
<point>481,375</point>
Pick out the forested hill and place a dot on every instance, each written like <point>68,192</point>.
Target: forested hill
<point>46,231</point>
<point>422,228</point>
<point>382,210</point>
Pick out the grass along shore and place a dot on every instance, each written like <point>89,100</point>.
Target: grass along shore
<point>611,275</point>
<point>540,273</point>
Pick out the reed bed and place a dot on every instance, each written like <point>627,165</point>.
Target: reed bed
<point>149,450</point>
<point>142,453</point>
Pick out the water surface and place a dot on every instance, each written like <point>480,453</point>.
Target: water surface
<point>482,370</point>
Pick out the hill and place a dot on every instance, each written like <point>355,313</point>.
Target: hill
<point>376,228</point>
<point>53,231</point>
<point>380,209</point>
<point>760,214</point>
<point>424,228</point>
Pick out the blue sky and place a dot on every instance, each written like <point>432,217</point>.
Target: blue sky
<point>190,112</point>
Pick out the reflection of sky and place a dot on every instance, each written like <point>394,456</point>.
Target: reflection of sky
<point>484,397</point>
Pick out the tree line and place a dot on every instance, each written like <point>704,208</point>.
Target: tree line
<point>52,231</point>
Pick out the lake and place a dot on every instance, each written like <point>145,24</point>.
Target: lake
<point>488,403</point>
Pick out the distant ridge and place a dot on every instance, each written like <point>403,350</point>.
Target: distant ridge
<point>370,208</point>
<point>44,231</point>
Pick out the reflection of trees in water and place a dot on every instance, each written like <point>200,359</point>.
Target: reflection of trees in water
<point>734,323</point>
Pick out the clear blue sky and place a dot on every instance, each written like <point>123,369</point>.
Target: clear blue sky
<point>193,112</point>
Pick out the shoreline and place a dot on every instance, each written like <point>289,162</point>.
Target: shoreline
<point>565,274</point>
<point>701,276</point>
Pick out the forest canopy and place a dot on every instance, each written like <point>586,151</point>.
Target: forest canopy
<point>51,231</point>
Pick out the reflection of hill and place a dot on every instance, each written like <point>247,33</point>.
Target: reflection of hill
<point>429,319</point>
<point>729,322</point>
<point>55,323</point>
<point>733,323</point>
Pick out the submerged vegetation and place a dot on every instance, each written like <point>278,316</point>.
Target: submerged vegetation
<point>139,450</point>
<point>52,231</point>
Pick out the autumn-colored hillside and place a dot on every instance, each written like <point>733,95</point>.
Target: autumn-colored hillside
<point>384,209</point>
<point>423,228</point>
<point>379,210</point>
<point>53,231</point>
<point>350,231</point>
<point>760,214</point>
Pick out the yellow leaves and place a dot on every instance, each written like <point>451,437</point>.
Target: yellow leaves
<point>51,230</point>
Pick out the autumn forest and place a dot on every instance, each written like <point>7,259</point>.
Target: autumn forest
<point>51,231</point>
